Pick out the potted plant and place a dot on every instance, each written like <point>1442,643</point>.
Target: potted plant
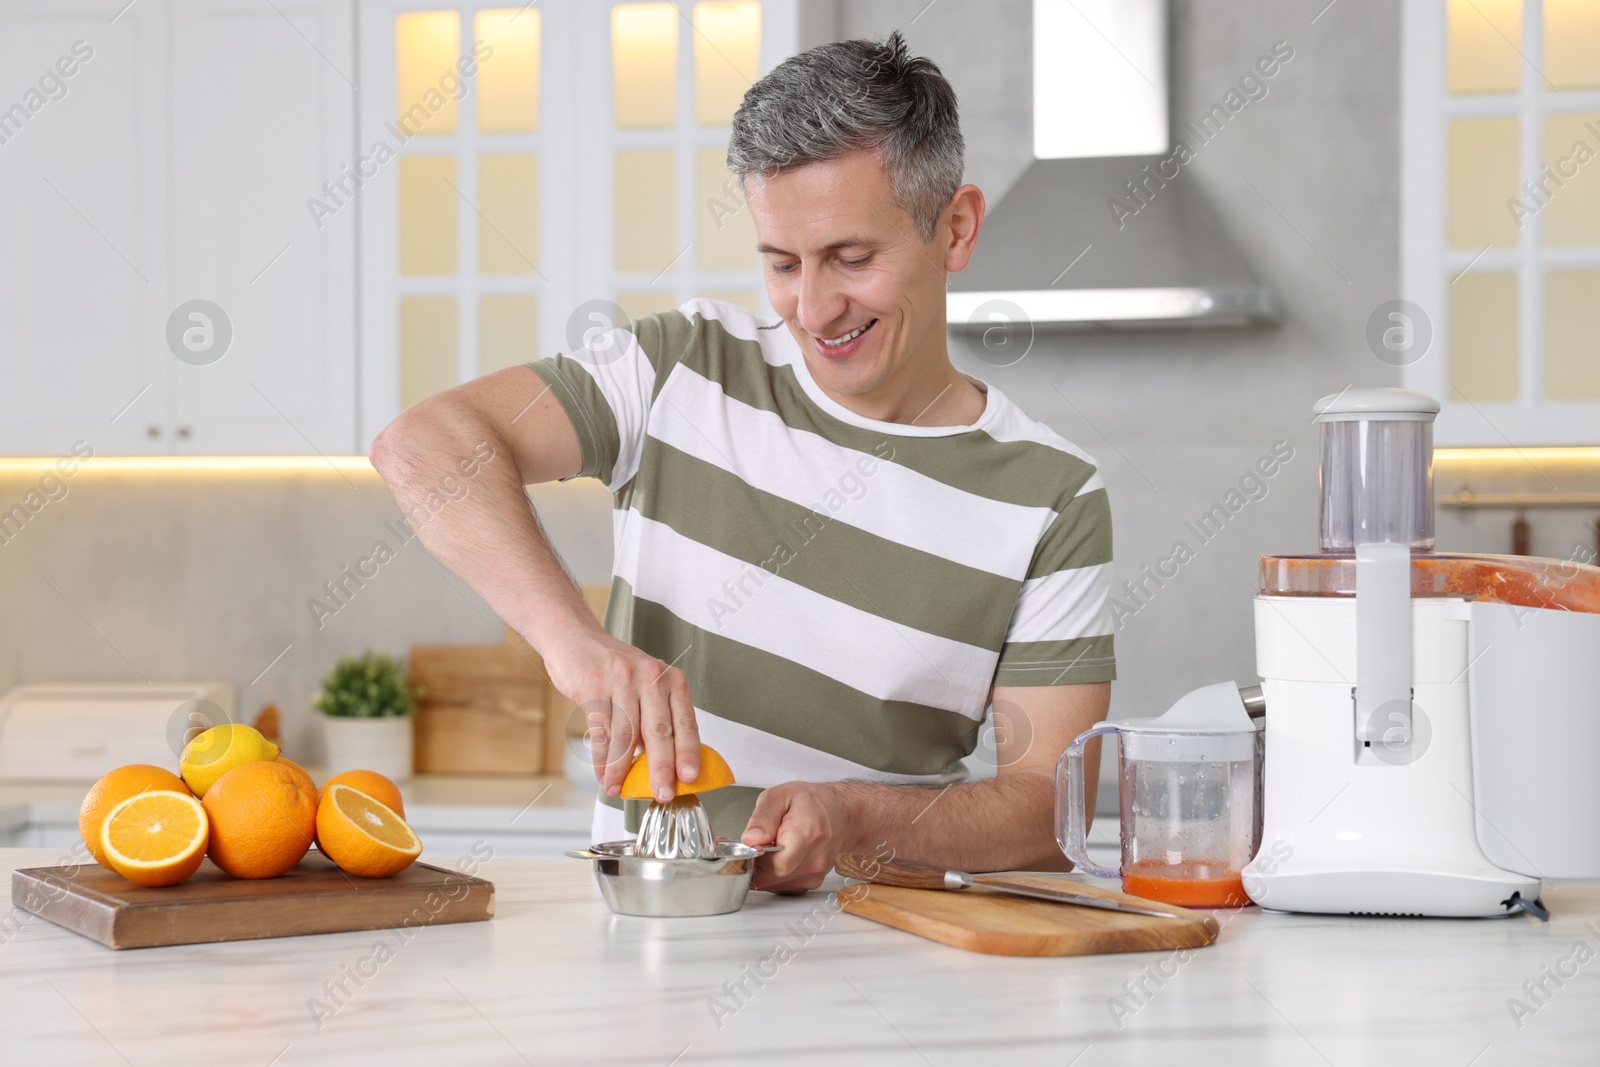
<point>367,706</point>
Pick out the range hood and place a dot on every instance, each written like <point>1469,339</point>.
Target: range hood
<point>1105,229</point>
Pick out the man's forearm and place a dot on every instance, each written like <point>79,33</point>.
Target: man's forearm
<point>488,535</point>
<point>1004,823</point>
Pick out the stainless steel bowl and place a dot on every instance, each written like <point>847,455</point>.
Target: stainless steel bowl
<point>637,885</point>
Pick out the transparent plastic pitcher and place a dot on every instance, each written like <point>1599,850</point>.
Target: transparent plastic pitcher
<point>1191,805</point>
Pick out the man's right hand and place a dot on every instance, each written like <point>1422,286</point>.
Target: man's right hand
<point>629,698</point>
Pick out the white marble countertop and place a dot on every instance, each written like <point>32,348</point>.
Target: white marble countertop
<point>556,978</point>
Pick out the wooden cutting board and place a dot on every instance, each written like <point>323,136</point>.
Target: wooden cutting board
<point>980,920</point>
<point>313,898</point>
<point>482,710</point>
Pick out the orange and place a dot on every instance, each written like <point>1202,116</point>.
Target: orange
<point>714,774</point>
<point>371,783</point>
<point>363,835</point>
<point>155,838</point>
<point>112,790</point>
<point>305,774</point>
<point>262,817</point>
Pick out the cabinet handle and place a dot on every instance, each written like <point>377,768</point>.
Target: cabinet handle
<point>183,432</point>
<point>152,431</point>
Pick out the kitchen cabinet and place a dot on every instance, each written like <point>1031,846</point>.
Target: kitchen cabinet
<point>173,165</point>
<point>262,113</point>
<point>1500,211</point>
<point>84,247</point>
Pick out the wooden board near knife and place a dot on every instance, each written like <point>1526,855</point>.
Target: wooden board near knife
<point>986,919</point>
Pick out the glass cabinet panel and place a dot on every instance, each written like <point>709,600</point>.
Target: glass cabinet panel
<point>1571,343</point>
<point>1484,46</point>
<point>1483,337</point>
<point>427,347</point>
<point>508,331</point>
<point>1572,43</point>
<point>725,236</point>
<point>1572,207</point>
<point>727,57</point>
<point>508,213</point>
<point>426,47</point>
<point>646,210</point>
<point>644,65</point>
<point>428,214</point>
<point>1483,175</point>
<point>508,81</point>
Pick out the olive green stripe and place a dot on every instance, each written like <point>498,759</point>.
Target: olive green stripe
<point>822,552</point>
<point>1081,659</point>
<point>665,337</point>
<point>766,692</point>
<point>1015,472</point>
<point>587,409</point>
<point>1079,537</point>
<point>728,808</point>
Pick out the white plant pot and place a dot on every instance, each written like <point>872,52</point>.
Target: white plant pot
<point>382,745</point>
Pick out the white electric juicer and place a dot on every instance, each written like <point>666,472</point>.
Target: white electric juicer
<point>1432,720</point>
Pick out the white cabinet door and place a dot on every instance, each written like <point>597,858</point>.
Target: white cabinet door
<point>82,228</point>
<point>262,116</point>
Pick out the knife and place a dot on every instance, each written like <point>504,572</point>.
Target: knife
<point>913,875</point>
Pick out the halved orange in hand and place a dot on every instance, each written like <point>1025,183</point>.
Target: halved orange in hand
<point>363,835</point>
<point>714,774</point>
<point>156,838</point>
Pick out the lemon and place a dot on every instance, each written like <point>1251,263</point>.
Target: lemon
<point>218,751</point>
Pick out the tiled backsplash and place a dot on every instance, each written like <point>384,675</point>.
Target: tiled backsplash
<point>218,576</point>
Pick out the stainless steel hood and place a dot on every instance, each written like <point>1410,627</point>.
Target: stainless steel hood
<point>1105,229</point>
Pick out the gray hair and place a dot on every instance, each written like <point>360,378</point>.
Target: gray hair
<point>853,95</point>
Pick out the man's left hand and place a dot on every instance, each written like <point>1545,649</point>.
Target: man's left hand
<point>808,820</point>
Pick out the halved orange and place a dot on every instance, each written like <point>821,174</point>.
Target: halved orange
<point>156,838</point>
<point>373,784</point>
<point>714,774</point>
<point>113,789</point>
<point>363,835</point>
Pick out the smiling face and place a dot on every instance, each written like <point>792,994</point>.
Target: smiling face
<point>861,292</point>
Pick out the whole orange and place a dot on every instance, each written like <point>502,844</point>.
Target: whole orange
<point>263,816</point>
<point>112,790</point>
<point>371,783</point>
<point>305,774</point>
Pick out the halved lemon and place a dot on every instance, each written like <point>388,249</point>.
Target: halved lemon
<point>363,835</point>
<point>156,838</point>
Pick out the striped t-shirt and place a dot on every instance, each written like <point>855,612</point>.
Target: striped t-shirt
<point>841,592</point>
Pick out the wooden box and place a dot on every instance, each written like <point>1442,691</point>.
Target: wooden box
<point>483,711</point>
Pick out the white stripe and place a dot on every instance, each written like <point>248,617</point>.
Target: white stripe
<point>737,321</point>
<point>626,381</point>
<point>1013,424</point>
<point>855,648</point>
<point>1064,605</point>
<point>896,503</point>
<point>1008,423</point>
<point>763,760</point>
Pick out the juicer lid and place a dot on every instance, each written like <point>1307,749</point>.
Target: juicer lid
<point>1376,404</point>
<point>1211,709</point>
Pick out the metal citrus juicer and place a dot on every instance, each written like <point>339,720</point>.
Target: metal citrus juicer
<point>676,867</point>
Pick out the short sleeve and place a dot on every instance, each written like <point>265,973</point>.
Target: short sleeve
<point>607,384</point>
<point>1061,629</point>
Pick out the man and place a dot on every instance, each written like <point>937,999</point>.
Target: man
<point>833,549</point>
